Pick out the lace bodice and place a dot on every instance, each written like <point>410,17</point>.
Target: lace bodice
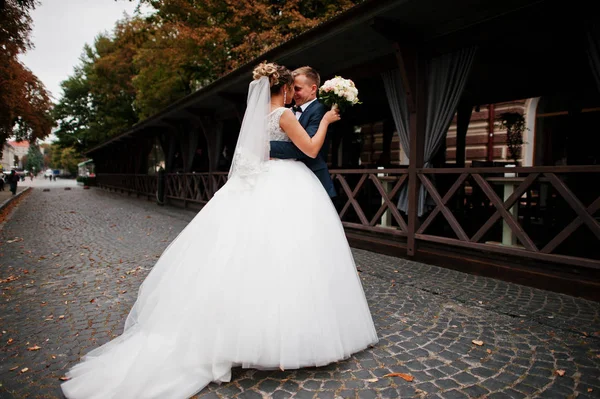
<point>275,132</point>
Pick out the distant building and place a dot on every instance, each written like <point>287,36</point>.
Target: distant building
<point>8,157</point>
<point>21,148</point>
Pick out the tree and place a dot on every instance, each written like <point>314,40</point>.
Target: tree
<point>196,42</point>
<point>35,159</point>
<point>98,98</point>
<point>69,159</point>
<point>145,64</point>
<point>55,156</point>
<point>24,101</point>
<point>47,154</point>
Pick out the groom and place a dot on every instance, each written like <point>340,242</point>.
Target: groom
<point>309,112</point>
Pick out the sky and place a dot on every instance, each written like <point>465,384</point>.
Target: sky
<point>60,30</point>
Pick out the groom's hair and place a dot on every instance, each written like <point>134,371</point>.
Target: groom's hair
<point>310,73</point>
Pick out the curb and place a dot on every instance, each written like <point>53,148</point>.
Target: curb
<point>12,198</point>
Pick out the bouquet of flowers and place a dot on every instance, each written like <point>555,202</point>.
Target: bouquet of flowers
<point>339,93</point>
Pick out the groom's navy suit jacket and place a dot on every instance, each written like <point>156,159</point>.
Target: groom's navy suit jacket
<point>310,120</point>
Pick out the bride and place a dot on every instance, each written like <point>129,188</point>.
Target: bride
<point>262,277</point>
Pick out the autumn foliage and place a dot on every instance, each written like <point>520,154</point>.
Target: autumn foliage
<point>24,101</point>
<point>150,61</point>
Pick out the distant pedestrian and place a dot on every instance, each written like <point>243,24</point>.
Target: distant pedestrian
<point>13,179</point>
<point>2,182</point>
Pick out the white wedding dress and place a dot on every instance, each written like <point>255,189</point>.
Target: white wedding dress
<point>261,278</point>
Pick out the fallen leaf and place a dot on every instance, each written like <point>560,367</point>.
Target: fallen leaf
<point>406,377</point>
<point>10,341</point>
<point>14,368</point>
<point>24,370</point>
<point>93,300</point>
<point>488,350</point>
<point>560,372</point>
<point>62,316</point>
<point>372,380</point>
<point>64,378</point>
<point>477,342</point>
<point>34,348</point>
<point>9,279</point>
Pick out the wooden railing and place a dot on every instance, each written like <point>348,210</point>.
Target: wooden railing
<point>367,199</point>
<point>535,210</point>
<point>543,213</point>
<point>194,187</point>
<point>138,184</point>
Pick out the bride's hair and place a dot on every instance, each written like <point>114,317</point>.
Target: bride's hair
<point>278,75</point>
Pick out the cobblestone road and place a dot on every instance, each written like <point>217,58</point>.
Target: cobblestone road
<point>71,262</point>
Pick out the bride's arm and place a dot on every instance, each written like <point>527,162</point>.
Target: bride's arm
<point>308,145</point>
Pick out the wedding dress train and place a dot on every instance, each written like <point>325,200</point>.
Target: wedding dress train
<point>261,278</point>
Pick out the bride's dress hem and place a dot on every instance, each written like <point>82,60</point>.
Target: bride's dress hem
<point>263,278</point>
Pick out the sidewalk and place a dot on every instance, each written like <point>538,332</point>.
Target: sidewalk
<point>7,196</point>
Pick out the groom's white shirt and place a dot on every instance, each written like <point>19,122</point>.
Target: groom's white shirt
<point>304,106</point>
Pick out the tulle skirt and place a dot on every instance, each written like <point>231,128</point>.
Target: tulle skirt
<point>261,277</point>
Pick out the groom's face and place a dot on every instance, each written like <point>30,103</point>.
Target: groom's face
<point>304,89</point>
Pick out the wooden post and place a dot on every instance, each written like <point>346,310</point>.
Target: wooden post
<point>463,117</point>
<point>413,70</point>
<point>213,129</point>
<point>491,121</point>
<point>189,146</point>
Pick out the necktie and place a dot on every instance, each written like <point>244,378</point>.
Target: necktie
<point>297,109</point>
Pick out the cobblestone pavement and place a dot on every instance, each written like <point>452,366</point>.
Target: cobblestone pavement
<point>71,262</point>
